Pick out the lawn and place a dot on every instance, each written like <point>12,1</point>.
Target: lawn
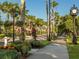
<point>73,49</point>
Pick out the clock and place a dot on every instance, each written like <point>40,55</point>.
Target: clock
<point>74,11</point>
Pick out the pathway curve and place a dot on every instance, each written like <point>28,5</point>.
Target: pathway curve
<point>52,51</point>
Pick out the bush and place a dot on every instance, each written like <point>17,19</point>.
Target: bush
<point>39,44</point>
<point>25,48</point>
<point>35,44</point>
<point>78,38</point>
<point>22,47</point>
<point>9,54</point>
<point>9,34</point>
<point>44,42</point>
<point>2,36</point>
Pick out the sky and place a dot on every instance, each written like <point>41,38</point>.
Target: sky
<point>38,7</point>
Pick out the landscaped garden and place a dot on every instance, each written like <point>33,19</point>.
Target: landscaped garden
<point>16,21</point>
<point>19,49</point>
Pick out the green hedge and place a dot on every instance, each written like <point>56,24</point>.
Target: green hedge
<point>39,44</point>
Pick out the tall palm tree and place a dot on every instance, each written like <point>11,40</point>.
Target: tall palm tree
<point>22,10</point>
<point>7,26</point>
<point>12,9</point>
<point>54,15</point>
<point>54,4</point>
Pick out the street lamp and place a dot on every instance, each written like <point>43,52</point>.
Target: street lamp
<point>74,13</point>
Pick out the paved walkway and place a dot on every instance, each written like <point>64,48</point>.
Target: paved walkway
<point>52,51</point>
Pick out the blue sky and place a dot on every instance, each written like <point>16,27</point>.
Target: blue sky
<point>38,8</point>
<point>65,5</point>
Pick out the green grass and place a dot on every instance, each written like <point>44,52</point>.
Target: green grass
<point>73,49</point>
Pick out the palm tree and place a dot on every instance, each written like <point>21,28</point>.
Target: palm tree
<point>54,4</point>
<point>7,26</point>
<point>12,9</point>
<point>54,15</point>
<point>37,21</point>
<point>39,24</point>
<point>23,20</point>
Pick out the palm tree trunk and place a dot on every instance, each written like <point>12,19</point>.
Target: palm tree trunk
<point>48,18</point>
<point>49,29</point>
<point>23,20</point>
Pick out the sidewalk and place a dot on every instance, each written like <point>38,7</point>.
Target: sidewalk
<point>52,51</point>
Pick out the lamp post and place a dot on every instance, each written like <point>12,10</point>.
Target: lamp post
<point>74,13</point>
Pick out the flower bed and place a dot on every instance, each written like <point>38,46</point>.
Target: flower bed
<point>7,47</point>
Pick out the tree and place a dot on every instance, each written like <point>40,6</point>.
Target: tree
<point>65,24</point>
<point>7,26</point>
<point>19,23</point>
<point>1,23</point>
<point>55,16</point>
<point>12,9</point>
<point>54,4</point>
<point>69,23</point>
<point>77,24</point>
<point>37,21</point>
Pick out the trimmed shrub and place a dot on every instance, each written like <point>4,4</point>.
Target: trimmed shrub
<point>35,44</point>
<point>25,49</point>
<point>39,44</point>
<point>22,47</point>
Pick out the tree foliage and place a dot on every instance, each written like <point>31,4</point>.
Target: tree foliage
<point>54,4</point>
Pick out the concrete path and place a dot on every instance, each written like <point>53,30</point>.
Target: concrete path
<point>52,51</point>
